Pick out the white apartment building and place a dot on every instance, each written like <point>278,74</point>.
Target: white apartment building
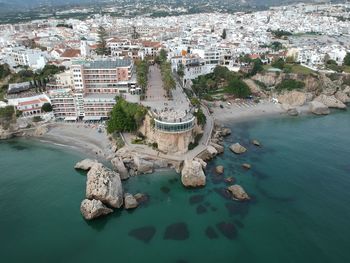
<point>21,56</point>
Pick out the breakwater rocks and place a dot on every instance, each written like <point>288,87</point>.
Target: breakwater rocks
<point>128,163</point>
<point>104,191</point>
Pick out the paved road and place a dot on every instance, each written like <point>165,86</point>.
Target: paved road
<point>155,91</point>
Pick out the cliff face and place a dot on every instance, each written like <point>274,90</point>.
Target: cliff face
<point>167,142</point>
<point>316,83</point>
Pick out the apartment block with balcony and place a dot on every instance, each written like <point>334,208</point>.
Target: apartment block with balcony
<point>103,77</point>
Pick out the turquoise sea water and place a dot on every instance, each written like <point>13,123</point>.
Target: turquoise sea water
<point>299,181</point>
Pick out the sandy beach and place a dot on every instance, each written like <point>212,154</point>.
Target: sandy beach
<point>245,110</point>
<point>81,137</point>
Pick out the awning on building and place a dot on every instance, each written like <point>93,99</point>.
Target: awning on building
<point>70,118</point>
<point>92,118</point>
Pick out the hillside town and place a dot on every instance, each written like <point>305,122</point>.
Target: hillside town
<point>310,35</point>
<point>73,70</point>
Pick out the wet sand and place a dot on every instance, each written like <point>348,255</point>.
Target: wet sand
<point>80,137</point>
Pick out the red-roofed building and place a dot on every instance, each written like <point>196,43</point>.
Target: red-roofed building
<point>32,107</point>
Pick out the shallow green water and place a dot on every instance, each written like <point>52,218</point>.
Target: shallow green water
<point>300,211</point>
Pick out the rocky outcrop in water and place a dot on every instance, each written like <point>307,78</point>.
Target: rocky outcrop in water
<point>91,209</point>
<point>342,96</point>
<point>219,148</point>
<point>104,185</point>
<point>119,166</point>
<point>330,101</point>
<point>246,166</point>
<point>318,108</point>
<point>192,174</point>
<point>5,134</point>
<point>209,153</point>
<point>237,148</point>
<point>130,201</point>
<point>85,164</point>
<point>256,143</point>
<point>143,166</point>
<point>238,192</point>
<point>219,169</point>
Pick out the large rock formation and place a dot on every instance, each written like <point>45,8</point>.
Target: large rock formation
<point>293,98</point>
<point>330,101</point>
<point>104,185</point>
<point>85,164</point>
<point>192,174</point>
<point>40,131</point>
<point>130,201</point>
<point>209,153</point>
<point>225,131</point>
<point>237,148</point>
<point>119,166</point>
<point>91,209</point>
<point>219,148</point>
<point>5,133</point>
<point>318,108</point>
<point>238,192</point>
<point>142,166</point>
<point>342,96</point>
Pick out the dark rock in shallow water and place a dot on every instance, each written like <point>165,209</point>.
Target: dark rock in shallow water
<point>238,223</point>
<point>211,233</point>
<point>223,192</point>
<point>236,208</point>
<point>144,234</point>
<point>227,229</point>
<point>165,189</point>
<point>177,231</point>
<point>214,209</point>
<point>196,199</point>
<point>201,209</point>
<point>142,199</point>
<point>217,179</point>
<point>173,181</point>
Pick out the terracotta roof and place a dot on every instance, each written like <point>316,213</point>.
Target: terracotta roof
<point>35,101</point>
<point>151,44</point>
<point>71,53</point>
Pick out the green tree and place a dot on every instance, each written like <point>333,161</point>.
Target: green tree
<point>290,84</point>
<point>346,61</point>
<point>102,48</point>
<point>201,118</point>
<point>4,71</point>
<point>279,63</point>
<point>47,107</point>
<point>125,116</point>
<point>163,55</point>
<point>238,88</point>
<point>276,45</point>
<point>181,70</point>
<point>142,73</point>
<point>223,35</point>
<point>257,67</point>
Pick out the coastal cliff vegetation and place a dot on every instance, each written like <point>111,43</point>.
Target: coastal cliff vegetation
<point>221,80</point>
<point>7,116</point>
<point>125,116</point>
